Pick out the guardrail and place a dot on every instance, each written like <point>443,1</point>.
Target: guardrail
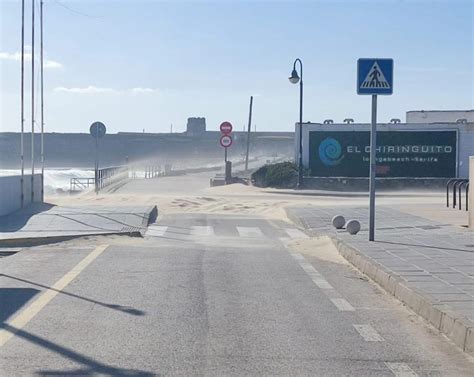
<point>79,184</point>
<point>457,185</point>
<point>103,178</point>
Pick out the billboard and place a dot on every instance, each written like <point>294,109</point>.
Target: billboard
<point>399,153</point>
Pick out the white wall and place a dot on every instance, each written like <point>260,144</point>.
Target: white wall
<point>10,192</point>
<point>465,133</point>
<point>439,116</point>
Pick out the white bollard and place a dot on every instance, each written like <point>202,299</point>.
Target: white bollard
<point>338,221</point>
<point>353,226</point>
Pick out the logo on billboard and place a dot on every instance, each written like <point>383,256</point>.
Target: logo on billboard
<point>330,152</point>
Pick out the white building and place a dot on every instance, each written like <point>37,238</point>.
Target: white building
<point>439,116</point>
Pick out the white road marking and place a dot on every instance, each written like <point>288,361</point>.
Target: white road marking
<point>202,230</point>
<point>342,304</point>
<point>296,233</point>
<point>249,231</point>
<point>157,230</point>
<point>368,333</point>
<point>401,369</point>
<point>26,315</point>
<point>315,276</point>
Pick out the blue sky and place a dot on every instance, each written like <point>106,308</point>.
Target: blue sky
<point>147,64</point>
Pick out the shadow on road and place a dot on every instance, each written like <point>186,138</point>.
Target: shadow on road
<point>124,309</point>
<point>92,367</point>
<point>12,299</point>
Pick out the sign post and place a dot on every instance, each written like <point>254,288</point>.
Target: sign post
<point>374,77</point>
<point>226,138</point>
<point>97,130</point>
<point>226,142</point>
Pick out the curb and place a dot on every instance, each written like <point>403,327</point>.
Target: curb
<point>457,328</point>
<point>149,217</point>
<point>37,241</point>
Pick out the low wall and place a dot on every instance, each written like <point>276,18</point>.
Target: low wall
<point>10,192</point>
<point>471,192</point>
<point>362,184</point>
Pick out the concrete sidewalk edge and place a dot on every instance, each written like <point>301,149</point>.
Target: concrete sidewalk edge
<point>37,241</point>
<point>149,216</point>
<point>458,329</point>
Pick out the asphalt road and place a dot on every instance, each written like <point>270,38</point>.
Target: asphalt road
<point>206,295</point>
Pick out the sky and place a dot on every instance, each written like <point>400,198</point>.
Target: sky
<point>146,65</point>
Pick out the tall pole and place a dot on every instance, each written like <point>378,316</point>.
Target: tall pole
<point>32,100</point>
<point>42,102</point>
<point>373,172</point>
<point>248,134</point>
<point>300,162</point>
<point>22,100</point>
<point>96,161</point>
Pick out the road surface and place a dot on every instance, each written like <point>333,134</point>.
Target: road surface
<point>208,295</point>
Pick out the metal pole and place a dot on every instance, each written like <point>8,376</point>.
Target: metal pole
<point>32,100</point>
<point>97,161</point>
<point>225,154</point>
<point>373,165</point>
<point>248,135</point>
<point>42,102</point>
<point>300,161</point>
<point>22,95</point>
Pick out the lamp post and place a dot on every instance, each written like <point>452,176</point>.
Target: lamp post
<point>294,79</point>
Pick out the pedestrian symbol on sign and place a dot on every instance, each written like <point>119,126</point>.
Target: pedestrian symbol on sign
<point>375,78</point>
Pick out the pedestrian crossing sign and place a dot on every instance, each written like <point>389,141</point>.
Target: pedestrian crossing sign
<point>375,76</point>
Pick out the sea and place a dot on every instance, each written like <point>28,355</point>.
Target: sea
<point>56,181</point>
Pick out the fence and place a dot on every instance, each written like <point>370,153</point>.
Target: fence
<point>103,178</point>
<point>457,185</point>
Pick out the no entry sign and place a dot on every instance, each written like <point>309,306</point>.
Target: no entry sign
<point>226,141</point>
<point>226,128</point>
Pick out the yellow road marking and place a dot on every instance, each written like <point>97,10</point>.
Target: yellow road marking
<point>35,307</point>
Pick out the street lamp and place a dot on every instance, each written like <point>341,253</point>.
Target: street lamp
<point>294,79</point>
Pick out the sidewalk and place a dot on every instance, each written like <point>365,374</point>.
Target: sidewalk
<point>44,221</point>
<point>428,265</point>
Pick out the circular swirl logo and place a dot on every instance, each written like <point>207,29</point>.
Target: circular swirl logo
<point>330,152</point>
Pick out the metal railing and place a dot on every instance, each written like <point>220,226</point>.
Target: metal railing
<point>102,178</point>
<point>80,184</point>
<point>457,185</point>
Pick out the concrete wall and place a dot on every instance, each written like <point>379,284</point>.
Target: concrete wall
<point>471,192</point>
<point>465,134</point>
<point>439,116</point>
<point>10,192</point>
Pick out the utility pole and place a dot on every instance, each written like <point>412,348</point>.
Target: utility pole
<point>32,100</point>
<point>42,101</point>
<point>22,100</point>
<point>248,134</point>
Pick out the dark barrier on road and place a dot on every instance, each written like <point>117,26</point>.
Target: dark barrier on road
<point>457,185</point>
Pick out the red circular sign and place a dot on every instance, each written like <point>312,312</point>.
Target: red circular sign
<point>226,141</point>
<point>226,128</point>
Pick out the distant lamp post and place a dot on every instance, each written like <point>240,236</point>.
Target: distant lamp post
<point>294,79</point>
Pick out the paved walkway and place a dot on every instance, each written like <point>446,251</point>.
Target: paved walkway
<point>46,221</point>
<point>432,261</point>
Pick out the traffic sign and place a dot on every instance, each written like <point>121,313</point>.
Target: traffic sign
<point>375,76</point>
<point>226,141</point>
<point>226,128</point>
<point>97,129</point>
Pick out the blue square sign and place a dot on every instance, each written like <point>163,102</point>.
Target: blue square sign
<point>375,76</point>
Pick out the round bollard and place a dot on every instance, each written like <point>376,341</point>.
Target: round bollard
<point>353,226</point>
<point>338,221</point>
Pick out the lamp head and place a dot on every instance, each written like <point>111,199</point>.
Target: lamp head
<point>294,78</point>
